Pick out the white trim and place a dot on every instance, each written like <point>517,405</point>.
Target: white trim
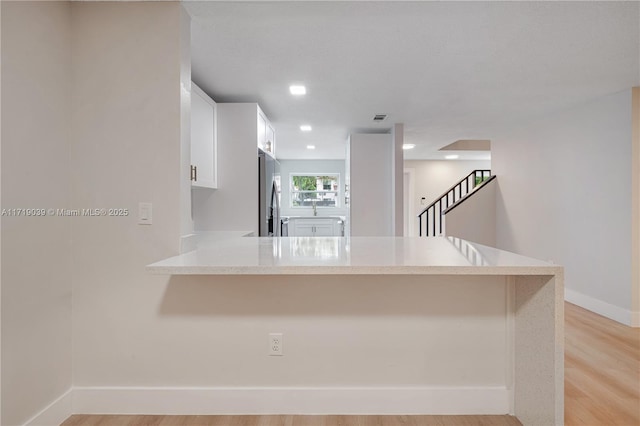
<point>290,400</point>
<point>55,413</point>
<point>616,313</point>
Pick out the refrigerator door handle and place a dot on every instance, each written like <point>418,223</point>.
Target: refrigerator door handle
<point>274,211</point>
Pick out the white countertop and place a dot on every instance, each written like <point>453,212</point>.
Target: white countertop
<point>356,255</point>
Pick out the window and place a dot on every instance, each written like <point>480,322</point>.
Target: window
<point>321,190</point>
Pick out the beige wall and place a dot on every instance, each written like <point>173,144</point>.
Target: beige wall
<point>126,149</point>
<point>564,194</point>
<point>36,255</point>
<point>475,218</point>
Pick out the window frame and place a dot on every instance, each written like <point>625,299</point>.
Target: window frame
<point>322,191</point>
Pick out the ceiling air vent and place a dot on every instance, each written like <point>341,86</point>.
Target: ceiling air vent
<point>379,117</point>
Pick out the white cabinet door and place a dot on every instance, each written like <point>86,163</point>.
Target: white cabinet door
<point>262,131</point>
<point>323,229</point>
<point>270,140</point>
<point>203,139</point>
<point>303,228</point>
<point>266,134</point>
<point>313,228</point>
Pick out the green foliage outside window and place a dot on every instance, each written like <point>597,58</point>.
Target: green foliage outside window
<point>319,190</point>
<point>304,183</point>
<point>480,179</point>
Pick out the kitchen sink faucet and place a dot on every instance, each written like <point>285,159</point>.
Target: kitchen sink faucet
<point>315,210</point>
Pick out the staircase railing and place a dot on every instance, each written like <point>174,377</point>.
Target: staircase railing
<point>431,216</point>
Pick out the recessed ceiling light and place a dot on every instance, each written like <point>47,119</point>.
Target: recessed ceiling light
<point>451,157</point>
<point>305,128</point>
<point>408,146</point>
<point>298,89</point>
<point>311,147</point>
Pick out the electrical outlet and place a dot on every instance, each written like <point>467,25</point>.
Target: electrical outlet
<point>275,344</point>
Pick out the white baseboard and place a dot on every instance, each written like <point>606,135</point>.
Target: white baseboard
<point>616,313</point>
<point>55,413</point>
<point>202,401</point>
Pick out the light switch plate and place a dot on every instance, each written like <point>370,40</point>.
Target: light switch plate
<point>145,214</point>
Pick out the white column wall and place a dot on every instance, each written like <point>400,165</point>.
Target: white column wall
<point>127,120</point>
<point>371,194</point>
<point>397,172</point>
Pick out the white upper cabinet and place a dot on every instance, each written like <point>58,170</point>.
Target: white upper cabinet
<point>270,142</point>
<point>266,134</point>
<point>262,130</point>
<point>203,140</point>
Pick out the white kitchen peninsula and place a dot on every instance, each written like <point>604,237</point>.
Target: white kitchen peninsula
<point>491,333</point>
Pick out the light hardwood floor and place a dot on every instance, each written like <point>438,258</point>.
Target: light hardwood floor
<point>602,388</point>
<point>601,370</point>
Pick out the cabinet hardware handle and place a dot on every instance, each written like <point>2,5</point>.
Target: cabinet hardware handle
<point>194,173</point>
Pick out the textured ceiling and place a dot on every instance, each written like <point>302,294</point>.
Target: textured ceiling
<point>447,70</point>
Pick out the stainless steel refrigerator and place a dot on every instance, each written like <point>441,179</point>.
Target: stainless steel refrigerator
<point>269,195</point>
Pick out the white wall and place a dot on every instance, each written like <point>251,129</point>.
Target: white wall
<point>475,218</point>
<point>431,178</point>
<point>288,167</point>
<point>127,122</point>
<point>36,255</point>
<point>565,195</point>
<point>371,193</point>
<point>234,205</point>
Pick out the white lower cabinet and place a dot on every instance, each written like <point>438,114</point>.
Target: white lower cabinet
<point>315,227</point>
<point>302,228</point>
